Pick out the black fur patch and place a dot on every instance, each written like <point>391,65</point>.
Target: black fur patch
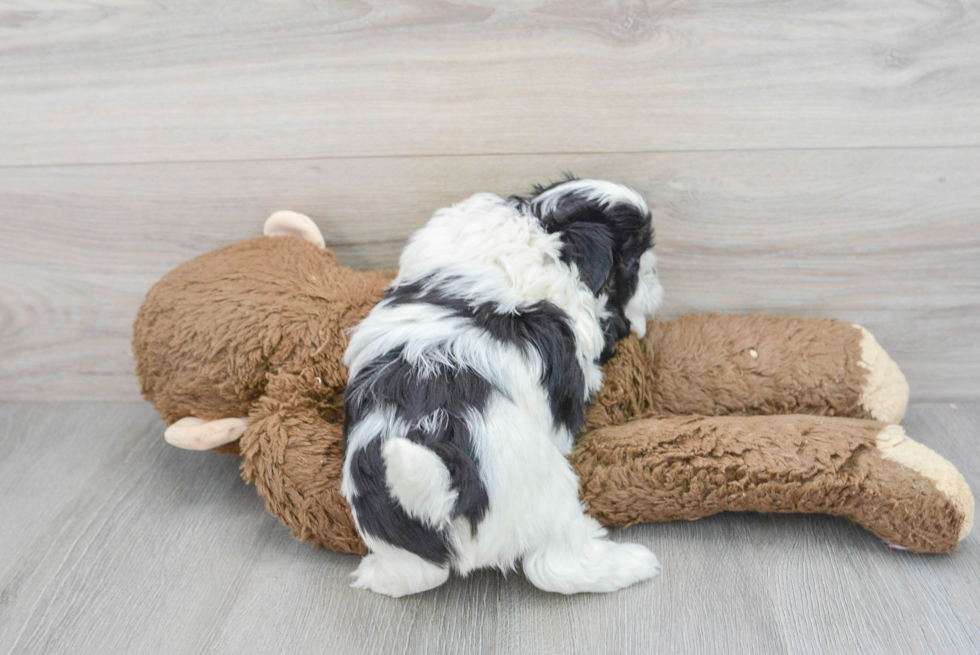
<point>590,247</point>
<point>545,328</point>
<point>614,328</point>
<point>542,326</point>
<point>427,291</point>
<point>390,381</point>
<point>381,516</point>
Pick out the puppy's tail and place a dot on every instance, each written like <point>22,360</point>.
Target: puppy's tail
<point>419,479</point>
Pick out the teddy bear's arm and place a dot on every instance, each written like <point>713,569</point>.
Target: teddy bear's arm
<point>192,433</point>
<point>292,450</point>
<point>654,470</point>
<point>714,365</point>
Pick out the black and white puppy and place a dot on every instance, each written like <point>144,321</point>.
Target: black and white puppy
<point>470,379</point>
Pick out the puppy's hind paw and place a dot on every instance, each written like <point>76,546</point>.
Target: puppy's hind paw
<point>602,566</point>
<point>397,574</point>
<point>631,563</point>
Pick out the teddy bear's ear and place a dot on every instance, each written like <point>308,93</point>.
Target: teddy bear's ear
<point>293,224</point>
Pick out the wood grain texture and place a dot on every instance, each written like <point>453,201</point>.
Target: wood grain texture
<point>94,557</point>
<point>114,542</point>
<point>889,239</point>
<point>806,158</point>
<point>131,81</point>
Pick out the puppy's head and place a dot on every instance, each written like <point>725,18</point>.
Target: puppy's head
<point>607,235</point>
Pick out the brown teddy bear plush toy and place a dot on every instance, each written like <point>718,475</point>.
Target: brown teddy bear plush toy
<point>241,350</point>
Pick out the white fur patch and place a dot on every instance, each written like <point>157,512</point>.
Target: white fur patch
<point>419,480</point>
<point>395,572</point>
<point>648,296</point>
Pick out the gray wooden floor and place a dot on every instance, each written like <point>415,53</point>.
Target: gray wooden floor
<point>114,542</point>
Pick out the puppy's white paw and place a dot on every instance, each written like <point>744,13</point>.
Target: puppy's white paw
<point>601,566</point>
<point>631,563</point>
<point>397,574</point>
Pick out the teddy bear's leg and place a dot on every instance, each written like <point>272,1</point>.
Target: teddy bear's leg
<point>293,452</point>
<point>653,470</point>
<point>717,365</point>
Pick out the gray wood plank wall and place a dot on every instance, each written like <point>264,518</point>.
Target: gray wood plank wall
<point>815,159</point>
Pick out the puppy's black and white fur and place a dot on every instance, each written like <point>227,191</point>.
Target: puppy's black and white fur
<point>470,379</point>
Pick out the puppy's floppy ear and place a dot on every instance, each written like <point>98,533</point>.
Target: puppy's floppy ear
<point>590,247</point>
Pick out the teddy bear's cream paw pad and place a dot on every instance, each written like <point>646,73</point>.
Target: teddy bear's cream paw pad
<point>293,224</point>
<point>886,393</point>
<point>193,433</point>
<point>894,444</point>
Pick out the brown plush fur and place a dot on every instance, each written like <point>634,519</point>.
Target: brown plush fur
<point>210,333</point>
<point>704,364</point>
<point>688,467</point>
<point>258,329</point>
